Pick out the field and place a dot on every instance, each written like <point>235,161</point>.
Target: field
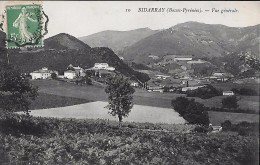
<point>142,97</point>
<point>44,101</point>
<point>70,141</point>
<point>216,118</point>
<point>97,110</point>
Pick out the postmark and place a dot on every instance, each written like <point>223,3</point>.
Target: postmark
<point>26,24</point>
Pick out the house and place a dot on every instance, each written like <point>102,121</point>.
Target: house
<point>43,73</point>
<point>196,62</point>
<point>185,89</point>
<point>104,66</point>
<point>134,84</point>
<point>161,76</point>
<point>78,70</point>
<point>182,58</point>
<point>69,74</point>
<point>228,93</point>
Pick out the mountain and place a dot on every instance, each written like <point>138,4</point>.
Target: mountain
<point>117,40</point>
<point>64,41</point>
<point>195,39</point>
<point>62,50</point>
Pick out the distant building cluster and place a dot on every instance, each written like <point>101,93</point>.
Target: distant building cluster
<point>71,72</point>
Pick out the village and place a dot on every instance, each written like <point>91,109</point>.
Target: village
<point>175,83</point>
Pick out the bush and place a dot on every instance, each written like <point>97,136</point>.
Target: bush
<point>245,91</point>
<point>201,129</point>
<point>204,92</point>
<point>226,125</point>
<point>193,112</point>
<point>243,128</point>
<point>230,102</point>
<point>17,125</point>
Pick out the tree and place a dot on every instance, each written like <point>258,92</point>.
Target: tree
<point>53,75</point>
<point>230,102</point>
<point>193,112</point>
<point>120,97</point>
<point>16,91</point>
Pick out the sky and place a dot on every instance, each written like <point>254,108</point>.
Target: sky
<point>82,18</point>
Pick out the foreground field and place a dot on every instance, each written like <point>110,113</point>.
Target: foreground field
<point>97,110</point>
<point>60,141</point>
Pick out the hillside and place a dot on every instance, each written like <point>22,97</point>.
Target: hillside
<point>64,41</point>
<point>117,40</point>
<point>61,50</point>
<point>196,39</point>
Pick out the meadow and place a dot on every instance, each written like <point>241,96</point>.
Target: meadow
<point>142,97</point>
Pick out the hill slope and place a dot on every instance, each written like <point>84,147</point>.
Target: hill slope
<point>197,39</point>
<point>63,49</point>
<point>117,40</point>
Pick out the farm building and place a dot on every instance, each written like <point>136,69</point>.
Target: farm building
<point>43,73</point>
<point>69,74</point>
<point>228,93</point>
<point>102,66</point>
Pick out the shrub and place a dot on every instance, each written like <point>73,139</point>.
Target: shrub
<point>226,125</point>
<point>230,102</point>
<point>201,129</point>
<point>191,111</point>
<point>243,128</point>
<point>204,92</point>
<point>17,125</point>
<point>245,91</point>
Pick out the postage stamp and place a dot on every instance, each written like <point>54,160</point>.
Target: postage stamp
<point>25,25</point>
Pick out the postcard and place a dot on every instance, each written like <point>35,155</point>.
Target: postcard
<point>129,82</point>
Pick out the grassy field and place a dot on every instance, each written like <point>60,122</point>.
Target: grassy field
<point>142,97</point>
<point>227,86</point>
<point>44,101</point>
<point>97,110</point>
<point>216,118</point>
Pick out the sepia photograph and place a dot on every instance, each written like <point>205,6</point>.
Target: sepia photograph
<point>129,82</point>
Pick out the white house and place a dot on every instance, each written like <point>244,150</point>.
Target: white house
<point>104,66</point>
<point>134,84</point>
<point>43,73</point>
<point>228,93</point>
<point>78,70</point>
<point>185,89</point>
<point>182,58</point>
<point>69,74</point>
<point>162,76</point>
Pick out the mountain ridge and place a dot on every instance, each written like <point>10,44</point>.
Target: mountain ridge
<point>116,40</point>
<point>194,38</point>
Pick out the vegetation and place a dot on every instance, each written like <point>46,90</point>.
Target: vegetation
<point>245,91</point>
<point>230,102</point>
<point>243,128</point>
<point>120,96</point>
<point>65,141</point>
<point>193,112</point>
<point>16,92</point>
<point>44,101</point>
<point>54,76</point>
<point>204,92</point>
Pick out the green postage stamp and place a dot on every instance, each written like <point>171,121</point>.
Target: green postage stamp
<point>25,26</point>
